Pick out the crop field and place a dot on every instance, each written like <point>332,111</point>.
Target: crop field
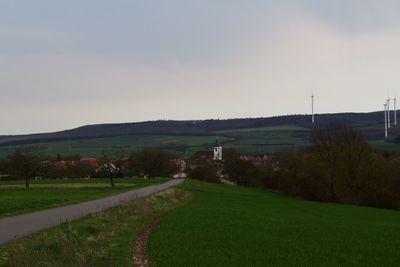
<point>267,139</point>
<point>217,225</point>
<point>385,146</point>
<point>15,199</point>
<point>235,226</point>
<point>119,145</point>
<point>248,140</point>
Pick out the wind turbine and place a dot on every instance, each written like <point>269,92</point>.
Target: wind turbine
<point>388,112</point>
<point>312,109</point>
<point>386,124</point>
<point>395,109</point>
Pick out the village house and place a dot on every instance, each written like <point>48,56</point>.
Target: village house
<point>181,168</point>
<point>258,159</point>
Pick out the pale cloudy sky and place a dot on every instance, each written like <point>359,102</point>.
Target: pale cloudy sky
<point>68,63</point>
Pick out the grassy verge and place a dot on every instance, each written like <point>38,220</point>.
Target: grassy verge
<point>235,226</point>
<point>15,199</point>
<point>103,239</point>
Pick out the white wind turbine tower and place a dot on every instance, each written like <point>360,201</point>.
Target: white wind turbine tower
<point>388,112</point>
<point>395,109</point>
<point>312,109</point>
<point>386,124</point>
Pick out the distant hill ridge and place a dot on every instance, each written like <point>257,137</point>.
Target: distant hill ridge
<point>204,127</point>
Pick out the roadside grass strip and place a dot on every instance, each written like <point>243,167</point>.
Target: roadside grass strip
<point>103,239</point>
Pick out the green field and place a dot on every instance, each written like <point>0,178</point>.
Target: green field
<point>119,144</point>
<point>217,225</point>
<point>15,199</point>
<point>385,146</point>
<point>267,139</point>
<point>249,140</point>
<point>102,239</point>
<point>235,226</point>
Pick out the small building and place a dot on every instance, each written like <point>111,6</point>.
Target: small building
<point>260,159</point>
<point>91,161</point>
<point>181,166</point>
<point>109,168</point>
<point>217,151</point>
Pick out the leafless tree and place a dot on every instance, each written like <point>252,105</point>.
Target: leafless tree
<point>23,165</point>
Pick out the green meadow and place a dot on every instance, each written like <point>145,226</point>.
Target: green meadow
<point>218,225</point>
<point>248,140</point>
<point>267,139</point>
<point>102,239</point>
<point>16,199</point>
<point>235,226</point>
<point>119,145</point>
<point>385,146</point>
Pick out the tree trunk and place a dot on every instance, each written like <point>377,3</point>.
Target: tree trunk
<point>332,188</point>
<point>358,198</point>
<point>111,180</point>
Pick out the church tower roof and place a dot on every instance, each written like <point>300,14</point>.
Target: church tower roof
<point>217,143</point>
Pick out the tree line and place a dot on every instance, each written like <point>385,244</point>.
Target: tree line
<point>26,166</point>
<point>338,166</point>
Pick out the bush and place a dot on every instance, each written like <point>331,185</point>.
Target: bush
<point>206,172</point>
<point>153,163</point>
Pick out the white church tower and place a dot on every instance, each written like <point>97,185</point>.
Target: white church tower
<point>217,151</point>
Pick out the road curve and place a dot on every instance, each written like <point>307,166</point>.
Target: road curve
<point>12,228</point>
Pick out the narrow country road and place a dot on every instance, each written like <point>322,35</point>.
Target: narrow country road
<point>22,225</point>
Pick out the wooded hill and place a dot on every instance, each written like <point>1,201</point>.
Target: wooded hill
<point>370,124</point>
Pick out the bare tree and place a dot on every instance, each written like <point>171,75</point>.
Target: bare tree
<point>23,165</point>
<point>324,147</point>
<point>107,167</point>
<point>359,165</point>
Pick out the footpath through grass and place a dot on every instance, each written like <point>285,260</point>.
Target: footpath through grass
<point>235,226</point>
<point>103,239</point>
<point>15,199</point>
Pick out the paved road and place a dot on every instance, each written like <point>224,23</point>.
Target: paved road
<point>22,225</point>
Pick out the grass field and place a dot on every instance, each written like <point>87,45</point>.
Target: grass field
<point>15,199</point>
<point>234,226</point>
<point>385,146</point>
<point>118,144</point>
<point>102,239</point>
<point>217,225</point>
<point>267,139</point>
<point>248,140</point>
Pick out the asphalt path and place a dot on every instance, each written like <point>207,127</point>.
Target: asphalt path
<point>12,228</point>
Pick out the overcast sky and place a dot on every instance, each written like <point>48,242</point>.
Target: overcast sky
<point>68,63</point>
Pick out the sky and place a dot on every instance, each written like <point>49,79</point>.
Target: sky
<point>64,64</point>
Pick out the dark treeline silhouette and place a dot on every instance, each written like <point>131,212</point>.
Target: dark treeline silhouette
<point>338,166</point>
